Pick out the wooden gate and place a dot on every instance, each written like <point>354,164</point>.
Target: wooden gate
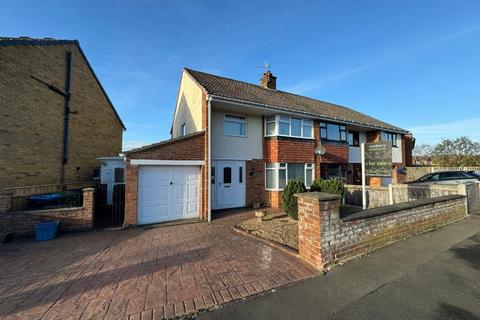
<point>108,215</point>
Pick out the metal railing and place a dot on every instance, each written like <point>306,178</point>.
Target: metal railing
<point>64,199</point>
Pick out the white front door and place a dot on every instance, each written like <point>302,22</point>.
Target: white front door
<point>167,193</point>
<point>228,184</point>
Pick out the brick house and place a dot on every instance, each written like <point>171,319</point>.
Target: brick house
<point>56,118</point>
<point>235,143</point>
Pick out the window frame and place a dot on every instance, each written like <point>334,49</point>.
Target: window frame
<point>342,128</point>
<point>392,137</point>
<point>235,118</point>
<point>183,130</point>
<point>278,166</point>
<point>353,133</point>
<point>277,120</point>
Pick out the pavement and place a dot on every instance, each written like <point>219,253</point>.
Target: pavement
<point>431,276</point>
<point>141,273</point>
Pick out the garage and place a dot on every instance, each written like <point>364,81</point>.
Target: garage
<point>167,193</point>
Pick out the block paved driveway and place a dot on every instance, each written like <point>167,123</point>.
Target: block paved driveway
<point>140,273</point>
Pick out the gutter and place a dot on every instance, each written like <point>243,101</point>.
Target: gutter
<point>315,116</point>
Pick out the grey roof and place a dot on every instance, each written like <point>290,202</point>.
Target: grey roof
<point>281,100</point>
<point>9,41</point>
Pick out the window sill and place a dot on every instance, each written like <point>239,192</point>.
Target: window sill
<point>234,135</point>
<point>285,136</point>
<point>334,141</point>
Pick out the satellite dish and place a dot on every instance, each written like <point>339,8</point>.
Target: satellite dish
<point>320,150</point>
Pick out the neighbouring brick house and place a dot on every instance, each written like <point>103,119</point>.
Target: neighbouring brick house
<point>56,118</point>
<point>235,143</point>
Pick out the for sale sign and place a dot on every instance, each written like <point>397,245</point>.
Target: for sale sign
<point>378,159</point>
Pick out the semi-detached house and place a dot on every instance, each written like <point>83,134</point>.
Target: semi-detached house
<point>235,143</point>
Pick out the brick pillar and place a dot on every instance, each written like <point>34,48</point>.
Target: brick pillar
<point>88,205</point>
<point>318,215</point>
<point>5,201</point>
<point>397,177</point>
<point>131,183</point>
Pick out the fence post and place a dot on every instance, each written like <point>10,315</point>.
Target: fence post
<point>462,189</point>
<point>390,193</point>
<point>318,216</point>
<point>88,203</point>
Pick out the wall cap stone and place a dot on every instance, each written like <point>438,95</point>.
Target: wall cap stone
<point>321,196</point>
<point>379,211</point>
<point>88,189</point>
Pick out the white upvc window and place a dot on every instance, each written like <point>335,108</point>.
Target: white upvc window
<point>234,125</point>
<point>183,130</point>
<point>288,127</point>
<point>392,137</point>
<point>278,174</point>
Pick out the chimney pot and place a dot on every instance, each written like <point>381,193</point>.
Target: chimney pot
<point>268,81</point>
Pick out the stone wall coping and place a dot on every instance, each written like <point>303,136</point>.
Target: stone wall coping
<point>379,211</point>
<point>88,189</point>
<point>45,210</point>
<point>321,196</point>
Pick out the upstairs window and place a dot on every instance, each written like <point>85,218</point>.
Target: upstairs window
<point>353,139</point>
<point>288,127</point>
<point>333,132</point>
<point>392,137</point>
<point>235,125</point>
<point>183,130</point>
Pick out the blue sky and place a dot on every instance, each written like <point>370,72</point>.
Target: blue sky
<point>411,63</point>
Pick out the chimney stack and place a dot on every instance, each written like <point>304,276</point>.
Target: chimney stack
<point>268,80</point>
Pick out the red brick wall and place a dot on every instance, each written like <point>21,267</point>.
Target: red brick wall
<point>408,149</point>
<point>189,148</point>
<point>22,223</point>
<point>255,181</point>
<point>279,149</point>
<point>273,199</point>
<point>336,153</point>
<point>193,147</point>
<point>324,239</point>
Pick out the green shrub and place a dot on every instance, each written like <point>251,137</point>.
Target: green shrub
<point>333,186</point>
<point>289,201</point>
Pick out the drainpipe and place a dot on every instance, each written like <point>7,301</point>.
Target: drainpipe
<point>209,158</point>
<point>68,82</point>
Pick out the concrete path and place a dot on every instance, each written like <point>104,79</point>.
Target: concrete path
<point>431,276</point>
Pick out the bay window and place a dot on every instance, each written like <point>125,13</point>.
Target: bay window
<point>270,126</point>
<point>278,174</point>
<point>288,127</point>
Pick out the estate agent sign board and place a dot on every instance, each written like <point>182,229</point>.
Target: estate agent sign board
<point>376,162</point>
<point>378,159</point>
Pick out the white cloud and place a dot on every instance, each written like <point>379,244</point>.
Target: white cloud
<point>433,133</point>
<point>315,83</point>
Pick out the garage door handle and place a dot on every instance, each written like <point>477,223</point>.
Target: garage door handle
<point>171,182</point>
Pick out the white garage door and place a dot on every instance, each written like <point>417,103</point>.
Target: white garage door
<point>167,193</point>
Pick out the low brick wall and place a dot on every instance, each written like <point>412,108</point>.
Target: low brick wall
<point>22,223</point>
<point>325,239</point>
<point>401,193</point>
